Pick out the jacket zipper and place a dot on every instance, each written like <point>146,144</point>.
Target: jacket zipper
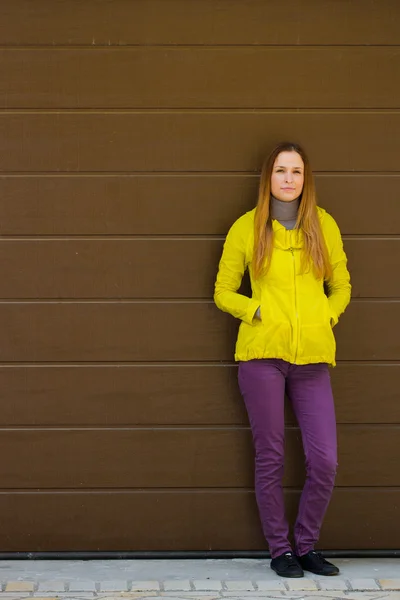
<point>295,306</point>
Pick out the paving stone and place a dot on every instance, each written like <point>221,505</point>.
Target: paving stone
<point>312,593</point>
<point>387,595</point>
<point>143,594</point>
<point>301,584</point>
<point>191,595</point>
<point>62,595</point>
<point>329,593</point>
<point>145,586</point>
<point>82,586</point>
<point>328,583</point>
<point>208,584</point>
<point>176,597</point>
<point>253,594</point>
<point>105,587</point>
<point>139,594</point>
<point>199,595</point>
<point>48,595</point>
<point>132,595</point>
<point>51,586</point>
<point>113,586</point>
<point>364,584</point>
<point>80,595</point>
<point>170,597</point>
<point>239,586</point>
<point>12,595</point>
<point>182,585</point>
<point>272,585</point>
<point>76,595</point>
<point>320,596</point>
<point>370,595</point>
<point>20,586</point>
<point>389,584</point>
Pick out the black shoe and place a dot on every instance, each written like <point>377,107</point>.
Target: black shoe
<point>316,563</point>
<point>286,565</point>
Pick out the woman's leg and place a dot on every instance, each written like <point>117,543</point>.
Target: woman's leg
<point>262,384</point>
<point>309,389</point>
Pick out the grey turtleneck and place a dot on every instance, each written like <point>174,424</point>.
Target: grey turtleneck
<point>285,212</point>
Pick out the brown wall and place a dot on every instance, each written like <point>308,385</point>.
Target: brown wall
<point>131,136</point>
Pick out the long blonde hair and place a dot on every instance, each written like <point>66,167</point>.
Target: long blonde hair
<point>315,252</point>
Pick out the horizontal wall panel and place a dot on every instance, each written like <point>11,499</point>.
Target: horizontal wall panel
<point>121,395</point>
<point>184,204</point>
<point>181,458</point>
<point>194,141</point>
<point>127,204</point>
<point>378,256</point>
<point>132,395</point>
<point>209,520</point>
<point>169,395</point>
<point>143,331</point>
<point>123,22</point>
<point>115,332</point>
<point>134,268</point>
<point>214,77</point>
<point>109,268</point>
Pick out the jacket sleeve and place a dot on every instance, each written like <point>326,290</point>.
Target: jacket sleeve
<point>230,273</point>
<point>339,288</point>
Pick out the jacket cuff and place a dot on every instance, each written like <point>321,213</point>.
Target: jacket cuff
<point>334,318</point>
<point>251,311</point>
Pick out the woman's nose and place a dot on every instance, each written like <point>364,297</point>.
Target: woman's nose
<point>289,177</point>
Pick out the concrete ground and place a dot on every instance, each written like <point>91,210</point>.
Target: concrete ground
<point>193,579</point>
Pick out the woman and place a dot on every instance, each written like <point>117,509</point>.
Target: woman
<point>286,343</point>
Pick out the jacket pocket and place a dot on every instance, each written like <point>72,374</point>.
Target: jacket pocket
<point>275,334</point>
<point>317,339</point>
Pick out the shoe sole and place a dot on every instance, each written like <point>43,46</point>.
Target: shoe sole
<point>322,574</point>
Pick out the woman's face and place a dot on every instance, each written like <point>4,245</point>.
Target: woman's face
<point>287,177</point>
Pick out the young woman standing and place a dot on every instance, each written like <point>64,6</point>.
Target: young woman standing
<point>285,342</point>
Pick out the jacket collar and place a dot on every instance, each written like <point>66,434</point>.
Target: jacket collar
<point>286,238</point>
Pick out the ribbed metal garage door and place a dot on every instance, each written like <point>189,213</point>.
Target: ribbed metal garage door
<point>131,135</point>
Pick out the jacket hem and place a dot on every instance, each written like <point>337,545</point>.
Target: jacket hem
<point>302,360</point>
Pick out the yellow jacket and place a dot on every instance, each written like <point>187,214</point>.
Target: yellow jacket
<point>296,315</point>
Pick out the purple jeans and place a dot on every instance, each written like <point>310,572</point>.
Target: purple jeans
<point>262,384</point>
